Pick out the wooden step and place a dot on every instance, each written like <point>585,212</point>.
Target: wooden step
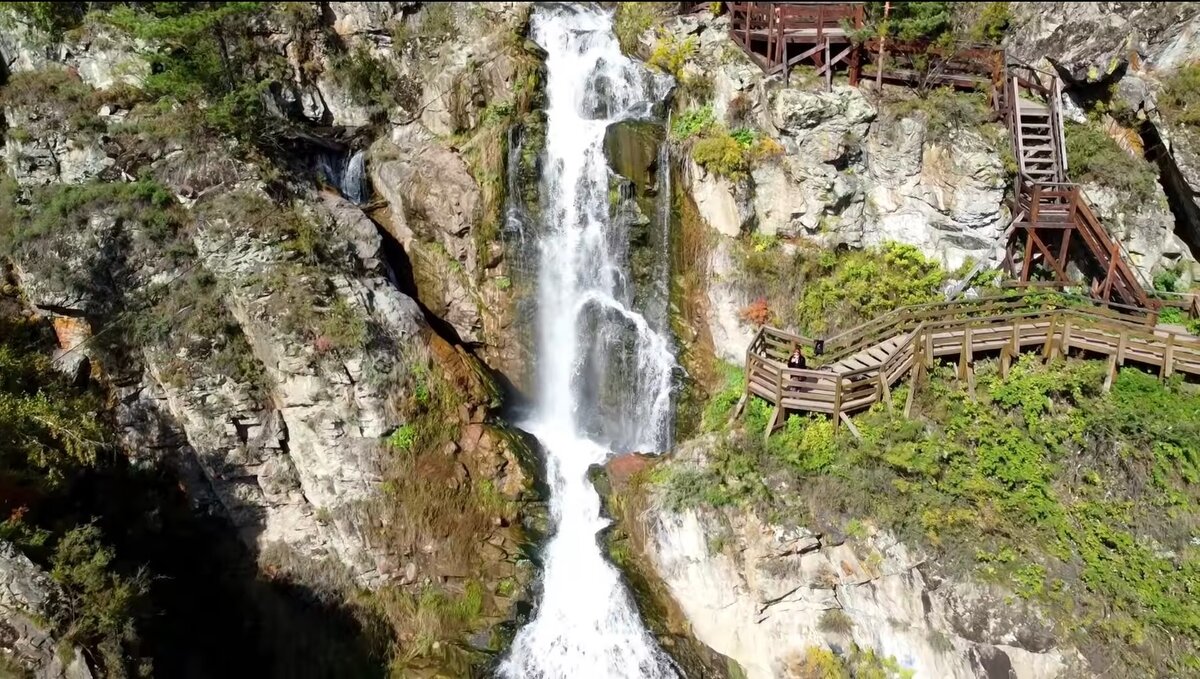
<point>1036,136</point>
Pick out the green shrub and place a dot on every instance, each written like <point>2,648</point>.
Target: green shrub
<point>1179,99</point>
<point>1093,156</point>
<point>694,122</point>
<point>98,605</point>
<point>806,444</point>
<point>946,110</point>
<point>720,407</point>
<point>992,24</point>
<point>722,155</point>
<point>53,18</point>
<point>671,54</point>
<point>911,20</point>
<point>859,285</point>
<point>1081,501</point>
<point>207,55</point>
<point>633,19</point>
<point>59,97</point>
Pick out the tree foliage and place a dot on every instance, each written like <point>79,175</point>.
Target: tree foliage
<point>207,51</point>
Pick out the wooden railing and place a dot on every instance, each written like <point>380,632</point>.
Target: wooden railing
<point>768,31</point>
<point>909,339</point>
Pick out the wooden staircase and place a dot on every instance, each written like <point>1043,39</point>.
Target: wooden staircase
<point>1053,226</point>
<point>1053,223</point>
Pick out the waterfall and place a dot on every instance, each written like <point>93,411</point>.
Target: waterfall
<point>352,185</point>
<point>605,373</point>
<point>346,173</point>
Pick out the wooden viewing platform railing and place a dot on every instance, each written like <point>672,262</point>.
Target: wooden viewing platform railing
<point>860,365</point>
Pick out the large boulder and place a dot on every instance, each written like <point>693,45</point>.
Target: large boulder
<point>947,197</point>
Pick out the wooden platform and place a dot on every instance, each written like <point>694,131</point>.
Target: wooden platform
<point>862,364</point>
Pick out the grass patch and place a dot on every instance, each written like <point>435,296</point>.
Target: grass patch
<point>62,101</point>
<point>1095,156</point>
<point>1179,99</point>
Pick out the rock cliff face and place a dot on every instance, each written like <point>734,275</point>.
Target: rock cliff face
<point>298,331</point>
<point>26,647</point>
<point>763,595</point>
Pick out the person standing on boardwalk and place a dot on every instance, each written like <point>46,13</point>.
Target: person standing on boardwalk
<point>796,360</point>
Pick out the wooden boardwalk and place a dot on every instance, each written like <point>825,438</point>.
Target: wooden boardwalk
<point>862,364</point>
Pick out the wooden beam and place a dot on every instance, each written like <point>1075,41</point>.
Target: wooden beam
<point>837,401</point>
<point>771,423</point>
<point>1048,347</point>
<point>965,353</point>
<point>885,392</point>
<point>918,366</point>
<point>1110,373</point>
<point>850,425</point>
<point>1168,364</point>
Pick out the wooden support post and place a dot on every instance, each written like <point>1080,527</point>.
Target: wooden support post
<point>1048,347</point>
<point>965,353</point>
<point>927,354</point>
<point>828,67</point>
<point>837,401</point>
<point>885,391</point>
<point>1121,343</point>
<point>850,425</point>
<point>1110,373</point>
<point>1005,360</point>
<point>1066,245</point>
<point>1065,344</point>
<point>914,376</point>
<point>1168,365</point>
<point>771,423</point>
<point>971,381</point>
<point>887,9</point>
<point>1026,264</point>
<point>741,404</point>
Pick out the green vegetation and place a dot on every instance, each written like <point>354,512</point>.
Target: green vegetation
<point>193,331</point>
<point>807,288</point>
<point>946,110</point>
<point>1179,99</point>
<point>52,437</point>
<point>694,122</point>
<point>992,24</point>
<point>632,19</point>
<point>819,663</point>
<point>911,20</point>
<point>1081,501</point>
<point>435,510</point>
<point>1096,157</point>
<point>62,100</point>
<point>207,53</point>
<point>716,149</point>
<point>671,54</point>
<point>373,82</point>
<point>54,18</point>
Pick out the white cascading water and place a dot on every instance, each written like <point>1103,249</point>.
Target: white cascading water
<point>590,342</point>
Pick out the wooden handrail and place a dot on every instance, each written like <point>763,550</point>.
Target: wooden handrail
<point>1092,328</point>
